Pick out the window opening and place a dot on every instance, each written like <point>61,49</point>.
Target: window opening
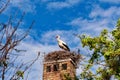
<point>48,69</point>
<point>64,66</point>
<point>56,67</point>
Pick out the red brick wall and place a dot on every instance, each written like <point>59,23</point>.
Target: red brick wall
<point>58,75</point>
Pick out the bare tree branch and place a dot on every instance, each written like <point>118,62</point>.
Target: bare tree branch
<point>9,39</point>
<point>5,6</point>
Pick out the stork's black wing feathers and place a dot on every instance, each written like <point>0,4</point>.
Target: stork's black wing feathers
<point>66,47</point>
<point>61,47</point>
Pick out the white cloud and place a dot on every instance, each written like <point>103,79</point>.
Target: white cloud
<point>62,4</point>
<point>111,1</point>
<point>105,13</point>
<point>99,19</point>
<point>89,26</point>
<point>27,6</point>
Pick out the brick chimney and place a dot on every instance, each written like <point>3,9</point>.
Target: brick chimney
<point>59,64</point>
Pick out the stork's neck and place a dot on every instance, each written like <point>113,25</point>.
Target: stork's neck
<point>58,39</point>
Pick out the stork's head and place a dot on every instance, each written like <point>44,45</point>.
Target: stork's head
<point>57,36</point>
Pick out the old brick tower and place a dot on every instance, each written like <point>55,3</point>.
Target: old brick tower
<point>59,64</point>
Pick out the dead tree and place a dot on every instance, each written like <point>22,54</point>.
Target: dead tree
<point>9,40</point>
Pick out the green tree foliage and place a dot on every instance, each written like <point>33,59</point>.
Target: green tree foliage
<point>106,54</point>
<point>68,77</point>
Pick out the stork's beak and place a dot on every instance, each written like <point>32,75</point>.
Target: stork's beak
<point>56,36</point>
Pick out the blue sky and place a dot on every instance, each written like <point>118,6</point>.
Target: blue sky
<point>63,17</point>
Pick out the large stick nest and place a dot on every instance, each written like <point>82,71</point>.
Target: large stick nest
<point>59,55</point>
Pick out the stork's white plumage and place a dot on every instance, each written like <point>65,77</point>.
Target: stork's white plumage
<point>62,44</point>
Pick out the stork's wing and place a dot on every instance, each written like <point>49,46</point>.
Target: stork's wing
<point>66,47</point>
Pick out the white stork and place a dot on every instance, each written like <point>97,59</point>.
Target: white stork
<point>62,44</point>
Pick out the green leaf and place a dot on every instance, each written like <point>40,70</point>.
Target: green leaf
<point>20,73</point>
<point>118,23</point>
